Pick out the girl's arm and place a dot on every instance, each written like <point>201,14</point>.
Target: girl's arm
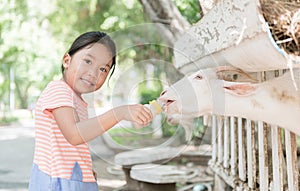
<point>77,132</point>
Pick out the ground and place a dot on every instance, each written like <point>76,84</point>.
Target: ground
<point>17,146</point>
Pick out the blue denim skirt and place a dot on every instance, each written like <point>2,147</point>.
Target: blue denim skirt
<point>40,181</point>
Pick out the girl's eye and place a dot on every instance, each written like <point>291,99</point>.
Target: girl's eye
<point>103,69</point>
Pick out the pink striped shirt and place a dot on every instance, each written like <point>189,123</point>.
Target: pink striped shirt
<point>53,153</point>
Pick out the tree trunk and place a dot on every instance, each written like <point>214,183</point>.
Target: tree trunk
<point>207,5</point>
<point>167,18</point>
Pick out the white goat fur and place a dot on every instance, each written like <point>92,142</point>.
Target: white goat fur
<point>209,91</point>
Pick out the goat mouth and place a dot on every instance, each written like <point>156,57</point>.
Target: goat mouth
<point>167,104</point>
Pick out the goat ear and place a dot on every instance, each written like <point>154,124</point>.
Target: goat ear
<point>240,89</point>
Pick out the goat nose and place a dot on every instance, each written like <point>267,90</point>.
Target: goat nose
<point>163,92</point>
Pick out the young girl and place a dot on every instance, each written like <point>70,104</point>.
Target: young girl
<point>62,160</point>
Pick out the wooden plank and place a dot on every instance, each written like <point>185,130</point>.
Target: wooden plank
<point>220,139</point>
<point>226,142</point>
<point>291,160</point>
<point>241,151</point>
<point>277,158</point>
<point>263,157</point>
<point>233,146</point>
<point>230,180</point>
<point>277,155</point>
<point>251,158</point>
<point>214,138</point>
<point>243,29</point>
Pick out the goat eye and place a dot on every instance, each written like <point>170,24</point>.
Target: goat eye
<point>235,76</point>
<point>198,77</point>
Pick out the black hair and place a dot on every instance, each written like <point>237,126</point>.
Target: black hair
<point>89,38</point>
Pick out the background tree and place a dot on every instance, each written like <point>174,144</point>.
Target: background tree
<point>35,34</point>
<point>172,18</point>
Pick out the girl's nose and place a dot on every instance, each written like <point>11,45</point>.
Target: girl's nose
<point>93,73</point>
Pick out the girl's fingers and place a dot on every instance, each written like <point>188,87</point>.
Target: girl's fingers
<point>143,119</point>
<point>148,113</point>
<point>140,114</point>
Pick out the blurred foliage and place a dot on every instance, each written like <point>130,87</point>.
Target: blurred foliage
<point>34,35</point>
<point>134,137</point>
<point>190,9</point>
<point>198,131</point>
<point>149,93</point>
<point>8,119</point>
<point>168,129</point>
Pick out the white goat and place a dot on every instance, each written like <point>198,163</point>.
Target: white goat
<point>185,121</point>
<point>212,91</point>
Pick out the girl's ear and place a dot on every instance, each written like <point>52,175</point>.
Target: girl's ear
<point>240,89</point>
<point>66,60</point>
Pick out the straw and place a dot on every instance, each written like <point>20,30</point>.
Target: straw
<point>283,17</point>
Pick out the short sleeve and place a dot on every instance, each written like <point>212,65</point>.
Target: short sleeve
<point>56,94</point>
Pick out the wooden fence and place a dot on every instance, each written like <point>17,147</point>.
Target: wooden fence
<point>253,155</point>
<point>247,155</point>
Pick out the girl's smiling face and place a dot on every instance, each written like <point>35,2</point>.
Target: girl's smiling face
<point>87,70</point>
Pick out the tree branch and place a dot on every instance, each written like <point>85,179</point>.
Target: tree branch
<point>167,18</point>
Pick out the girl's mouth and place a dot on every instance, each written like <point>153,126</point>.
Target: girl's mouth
<point>87,82</point>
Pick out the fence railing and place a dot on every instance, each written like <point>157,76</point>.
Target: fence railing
<point>253,155</point>
<point>247,155</point>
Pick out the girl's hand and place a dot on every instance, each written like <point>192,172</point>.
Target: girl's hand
<point>136,113</point>
<point>77,132</point>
